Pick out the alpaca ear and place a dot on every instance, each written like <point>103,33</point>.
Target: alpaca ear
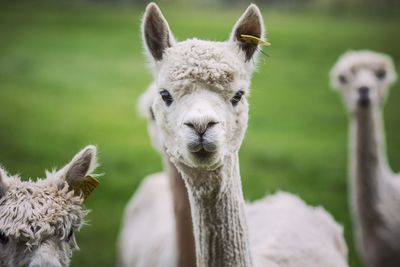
<point>81,165</point>
<point>155,32</point>
<point>77,172</point>
<point>250,23</point>
<point>3,184</point>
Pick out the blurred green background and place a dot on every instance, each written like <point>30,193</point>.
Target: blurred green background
<point>71,73</point>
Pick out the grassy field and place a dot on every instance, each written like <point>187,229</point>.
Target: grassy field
<point>70,76</point>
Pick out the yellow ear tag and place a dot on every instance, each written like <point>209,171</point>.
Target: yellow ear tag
<point>253,40</point>
<point>87,185</point>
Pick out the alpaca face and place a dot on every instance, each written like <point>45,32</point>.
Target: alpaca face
<point>201,109</point>
<point>203,122</point>
<point>363,78</point>
<point>38,219</point>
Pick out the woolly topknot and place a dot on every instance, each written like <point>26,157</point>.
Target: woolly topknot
<point>32,211</point>
<point>203,62</point>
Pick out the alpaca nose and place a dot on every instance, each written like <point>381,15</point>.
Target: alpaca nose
<point>363,90</point>
<point>363,99</point>
<point>200,127</point>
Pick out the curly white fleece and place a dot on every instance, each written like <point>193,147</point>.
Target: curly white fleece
<point>33,211</point>
<point>205,62</point>
<point>38,219</point>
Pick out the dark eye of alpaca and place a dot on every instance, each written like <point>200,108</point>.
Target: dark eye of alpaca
<point>342,79</point>
<point>70,234</point>
<point>380,74</point>
<point>166,97</point>
<point>3,238</point>
<point>237,97</point>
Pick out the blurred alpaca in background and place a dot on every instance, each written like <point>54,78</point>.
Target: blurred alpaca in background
<point>363,79</point>
<point>166,222</point>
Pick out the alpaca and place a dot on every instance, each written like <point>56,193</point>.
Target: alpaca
<point>201,113</point>
<point>170,204</point>
<point>363,79</point>
<point>38,219</point>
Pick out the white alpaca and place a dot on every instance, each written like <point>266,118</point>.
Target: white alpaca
<point>161,202</point>
<point>38,219</point>
<point>202,118</point>
<point>363,79</point>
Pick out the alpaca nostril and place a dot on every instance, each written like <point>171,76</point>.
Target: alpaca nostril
<point>189,124</point>
<point>200,128</point>
<point>211,124</point>
<point>195,127</point>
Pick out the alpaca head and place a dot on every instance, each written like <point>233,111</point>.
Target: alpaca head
<point>363,78</point>
<point>146,110</point>
<point>38,219</point>
<point>201,108</point>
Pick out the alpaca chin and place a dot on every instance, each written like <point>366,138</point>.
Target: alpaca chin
<point>205,160</point>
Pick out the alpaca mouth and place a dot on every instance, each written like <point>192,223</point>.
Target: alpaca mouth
<point>363,97</point>
<point>202,150</point>
<point>203,154</point>
<point>364,100</point>
<point>202,146</point>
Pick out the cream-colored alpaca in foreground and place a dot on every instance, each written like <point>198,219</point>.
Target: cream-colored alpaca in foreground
<point>202,113</point>
<point>363,79</point>
<point>161,202</point>
<point>38,219</point>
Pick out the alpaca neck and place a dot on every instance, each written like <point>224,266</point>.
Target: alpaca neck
<point>368,166</point>
<point>183,219</point>
<point>217,204</point>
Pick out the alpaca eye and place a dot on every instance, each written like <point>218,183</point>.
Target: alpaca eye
<point>342,79</point>
<point>380,74</point>
<point>166,97</point>
<point>70,234</point>
<point>3,238</point>
<point>237,97</point>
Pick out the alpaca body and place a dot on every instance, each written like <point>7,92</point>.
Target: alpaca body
<point>363,78</point>
<point>149,216</point>
<point>300,229</point>
<point>285,231</point>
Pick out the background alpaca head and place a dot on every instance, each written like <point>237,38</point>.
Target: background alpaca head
<point>38,219</point>
<point>363,78</point>
<point>201,108</point>
<point>146,110</point>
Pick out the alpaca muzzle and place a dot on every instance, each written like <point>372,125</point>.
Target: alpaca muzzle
<point>201,143</point>
<point>202,149</point>
<point>363,97</point>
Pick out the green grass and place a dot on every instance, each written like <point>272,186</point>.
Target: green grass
<point>71,75</point>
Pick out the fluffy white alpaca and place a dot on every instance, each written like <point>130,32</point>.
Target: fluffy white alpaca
<point>161,202</point>
<point>38,219</point>
<point>202,116</point>
<point>363,79</point>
